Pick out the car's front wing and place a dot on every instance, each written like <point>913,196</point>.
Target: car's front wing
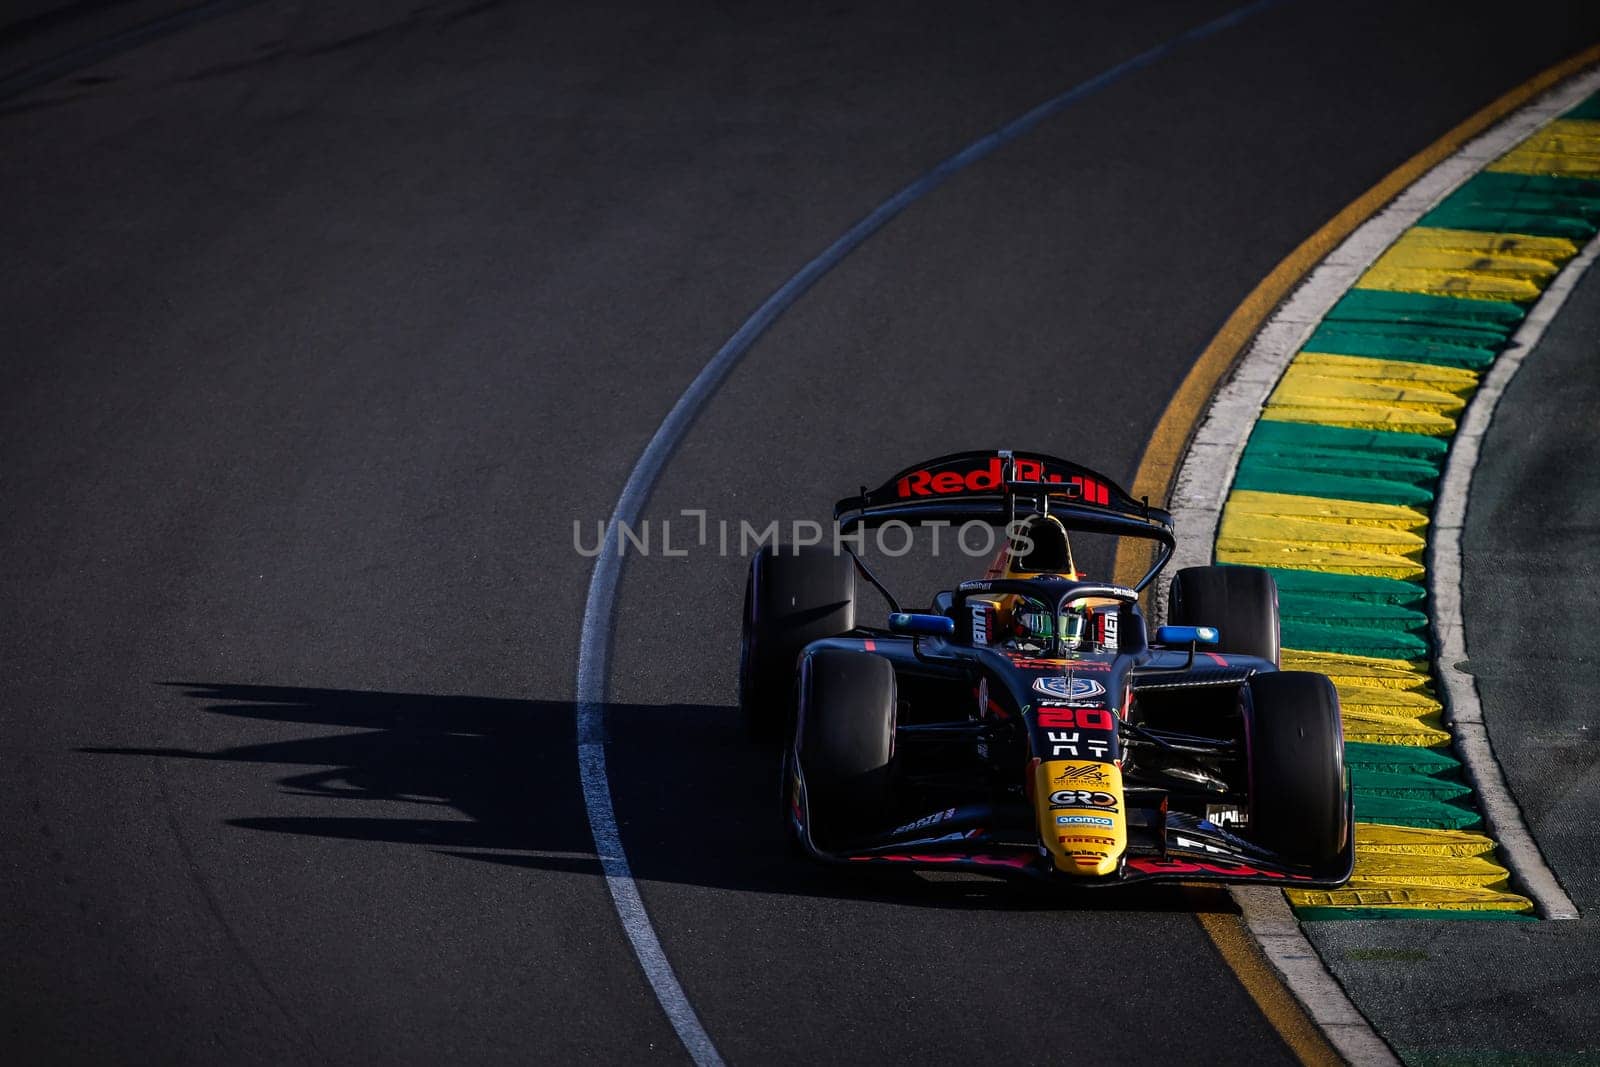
<point>976,838</point>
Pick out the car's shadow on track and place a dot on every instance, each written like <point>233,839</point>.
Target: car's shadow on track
<point>496,780</point>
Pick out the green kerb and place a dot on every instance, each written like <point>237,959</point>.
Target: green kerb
<point>1382,306</point>
<point>1414,811</point>
<point>1362,756</point>
<point>1538,205</point>
<point>1400,786</point>
<point>1353,586</point>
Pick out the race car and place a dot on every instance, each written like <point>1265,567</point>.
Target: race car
<point>1027,722</point>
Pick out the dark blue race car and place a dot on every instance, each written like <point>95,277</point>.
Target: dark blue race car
<point>1028,722</point>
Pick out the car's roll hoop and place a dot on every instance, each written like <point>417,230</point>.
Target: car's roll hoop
<point>1001,486</point>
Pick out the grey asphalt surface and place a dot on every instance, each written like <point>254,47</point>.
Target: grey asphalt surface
<point>322,326</point>
<point>1532,578</point>
<point>1518,992</point>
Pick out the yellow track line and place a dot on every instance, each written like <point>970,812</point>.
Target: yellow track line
<point>1170,440</point>
<point>1245,959</point>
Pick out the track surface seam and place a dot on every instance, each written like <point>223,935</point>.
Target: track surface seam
<point>43,73</point>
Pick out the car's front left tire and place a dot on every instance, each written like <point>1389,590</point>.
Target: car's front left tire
<point>845,742</point>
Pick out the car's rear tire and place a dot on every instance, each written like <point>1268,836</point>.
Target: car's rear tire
<point>1241,602</point>
<point>845,735</point>
<point>1299,803</point>
<point>791,598</point>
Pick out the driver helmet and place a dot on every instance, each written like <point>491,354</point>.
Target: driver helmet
<point>1037,626</point>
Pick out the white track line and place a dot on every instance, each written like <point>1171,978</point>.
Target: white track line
<point>594,643</point>
<point>1500,808</point>
<point>1206,475</point>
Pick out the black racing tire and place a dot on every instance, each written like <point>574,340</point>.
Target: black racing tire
<point>1241,602</point>
<point>791,598</point>
<point>845,741</point>
<point>1299,800</point>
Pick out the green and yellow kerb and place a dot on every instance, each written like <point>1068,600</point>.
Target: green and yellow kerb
<point>1335,487</point>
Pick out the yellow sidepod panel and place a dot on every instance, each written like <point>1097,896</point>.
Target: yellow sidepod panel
<point>1081,816</point>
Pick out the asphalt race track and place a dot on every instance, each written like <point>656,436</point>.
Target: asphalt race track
<point>321,328</point>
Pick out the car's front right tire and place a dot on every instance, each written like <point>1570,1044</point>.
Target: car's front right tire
<point>1241,602</point>
<point>1299,800</point>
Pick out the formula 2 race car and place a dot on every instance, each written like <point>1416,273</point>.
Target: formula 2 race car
<point>1026,723</point>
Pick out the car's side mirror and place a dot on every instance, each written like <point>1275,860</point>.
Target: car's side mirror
<point>1186,635</point>
<point>910,622</point>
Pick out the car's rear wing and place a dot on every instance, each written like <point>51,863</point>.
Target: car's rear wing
<point>999,487</point>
